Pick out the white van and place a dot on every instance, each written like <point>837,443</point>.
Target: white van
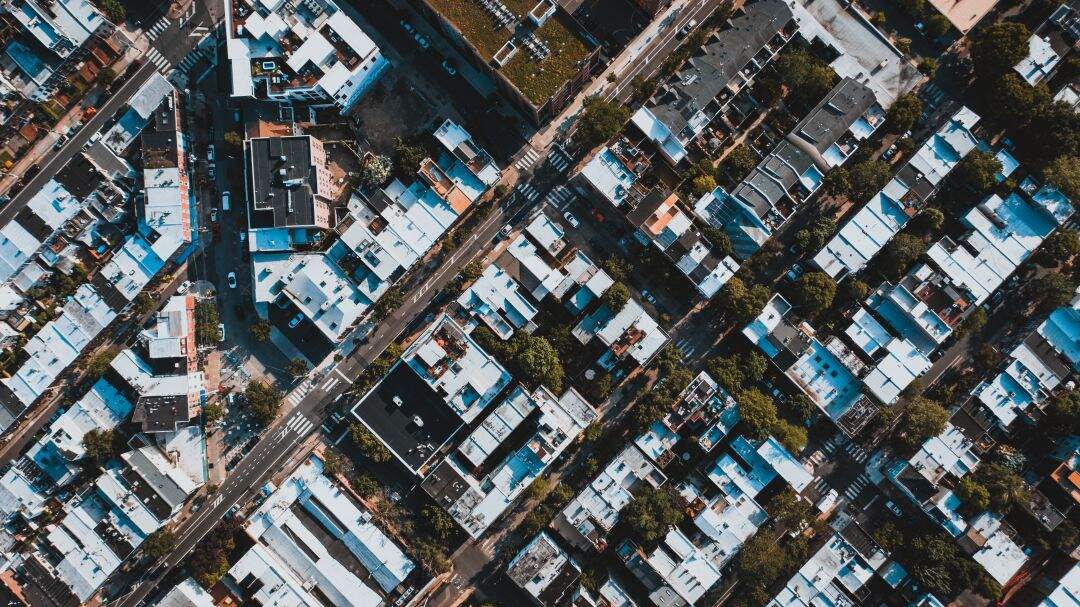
<point>225,202</point>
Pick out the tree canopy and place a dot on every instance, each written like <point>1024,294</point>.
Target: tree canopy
<point>1052,290</point>
<point>742,303</point>
<point>757,411</point>
<point>1060,247</point>
<point>995,49</point>
<point>904,112</point>
<point>615,297</point>
<point>1064,173</point>
<point>977,171</point>
<point>599,121</point>
<point>739,162</point>
<point>925,419</point>
<point>816,235</point>
<point>900,253</point>
<point>867,178</point>
<point>651,513</point>
<point>807,77</point>
<point>263,400</point>
<point>368,443</point>
<point>814,291</point>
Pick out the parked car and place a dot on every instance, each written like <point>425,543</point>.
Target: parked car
<point>210,153</point>
<point>213,215</point>
<point>648,296</point>
<point>448,66</point>
<point>295,320</point>
<point>421,40</point>
<point>225,197</point>
<point>686,29</point>
<point>184,287</point>
<point>405,25</point>
<point>221,331</point>
<point>569,217</point>
<point>60,141</point>
<point>505,231</point>
<point>232,280</point>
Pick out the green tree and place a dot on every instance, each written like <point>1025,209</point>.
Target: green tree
<point>978,171</point>
<point>838,182</point>
<point>599,121</point>
<point>209,561</point>
<point>471,271</point>
<point>432,558</point>
<point>721,243</point>
<point>727,372</point>
<point>702,184</point>
<point>407,158</point>
<point>364,485</point>
<point>368,443</point>
<point>814,291</point>
<point>1060,247</point>
<point>333,463</point>
<point>1063,414</point>
<point>260,331</point>
<point>212,413</point>
<point>971,325</point>
<point>98,364</point>
<point>742,303</point>
<point>615,297</point>
<point>1051,290</point>
<point>1004,488</point>
<point>759,565</point>
<point>375,170</point>
<point>144,304</point>
<point>297,367</point>
<point>101,445</point>
<point>792,437</point>
<point>263,400</point>
<point>617,268</point>
<point>159,543</point>
<point>1064,174</point>
<point>438,522</point>
<point>937,25</point>
<point>912,7</point>
<point>974,497</point>
<point>925,419</point>
<point>114,10</point>
<point>867,178</point>
<point>757,411</point>
<point>789,510</point>
<point>853,290</point>
<point>739,162</point>
<point>800,406</point>
<point>233,139</point>
<point>538,361</point>
<point>995,49</point>
<point>816,235</point>
<point>900,253</point>
<point>651,513</point>
<point>390,301</point>
<point>1017,103</point>
<point>904,112</point>
<point>888,537</point>
<point>807,77</point>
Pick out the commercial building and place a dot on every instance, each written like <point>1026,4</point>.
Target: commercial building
<point>837,574</point>
<point>902,198</point>
<point>302,52</point>
<point>795,169</point>
<point>476,490</point>
<point>313,544</point>
<point>314,299</point>
<point>537,54</point>
<point>443,381</point>
<point>187,593</point>
<point>288,183</point>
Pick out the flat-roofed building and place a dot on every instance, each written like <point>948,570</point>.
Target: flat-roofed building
<point>288,182</point>
<point>311,51</point>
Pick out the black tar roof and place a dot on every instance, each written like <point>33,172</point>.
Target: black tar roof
<point>160,413</point>
<point>394,424</point>
<point>279,200</point>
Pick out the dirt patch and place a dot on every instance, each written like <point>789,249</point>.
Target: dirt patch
<point>392,110</point>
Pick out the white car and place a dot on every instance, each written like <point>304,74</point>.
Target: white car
<point>184,287</point>
<point>213,215</point>
<point>221,331</point>
<point>210,153</point>
<point>232,280</point>
<point>648,296</point>
<point>569,217</point>
<point>225,201</point>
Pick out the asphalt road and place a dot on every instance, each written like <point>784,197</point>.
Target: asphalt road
<point>285,439</point>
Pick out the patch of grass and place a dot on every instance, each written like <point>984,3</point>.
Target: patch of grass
<point>475,24</point>
<point>540,80</point>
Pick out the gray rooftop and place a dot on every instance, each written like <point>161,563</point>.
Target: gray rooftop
<point>282,182</point>
<point>707,73</point>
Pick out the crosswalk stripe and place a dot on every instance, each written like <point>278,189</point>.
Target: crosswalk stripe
<point>330,383</point>
<point>527,159</point>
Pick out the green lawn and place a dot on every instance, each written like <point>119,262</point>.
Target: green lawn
<point>475,24</point>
